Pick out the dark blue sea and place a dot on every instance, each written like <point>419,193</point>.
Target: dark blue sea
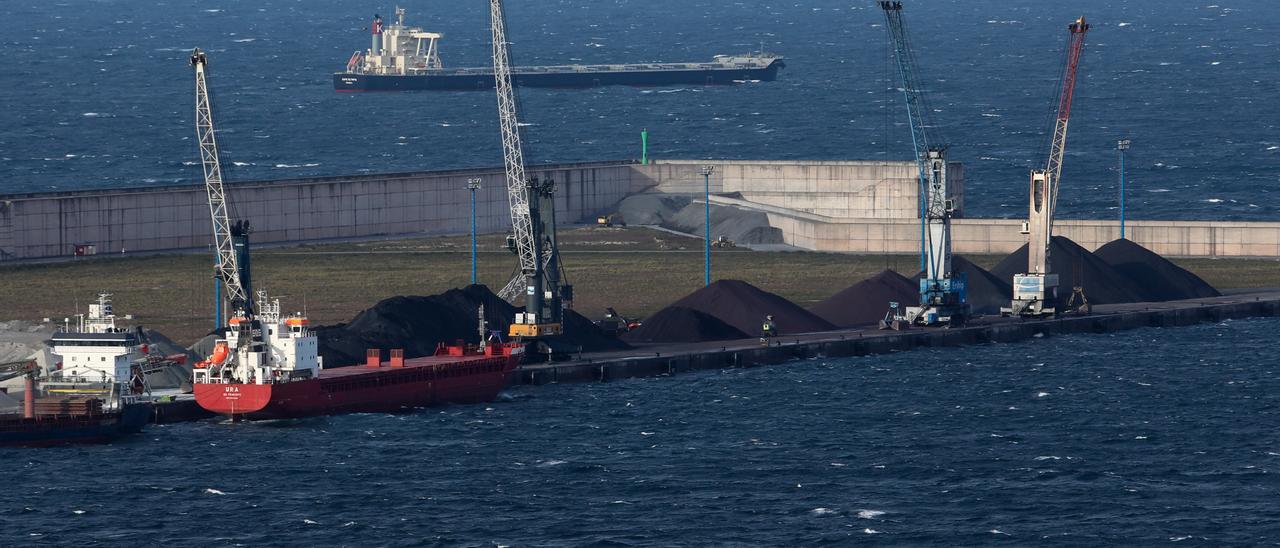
<point>98,93</point>
<point>1149,437</point>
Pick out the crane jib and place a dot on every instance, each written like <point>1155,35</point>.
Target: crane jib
<point>1076,47</point>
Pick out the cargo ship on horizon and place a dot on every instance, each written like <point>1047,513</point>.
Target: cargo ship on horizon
<point>269,367</point>
<point>403,58</point>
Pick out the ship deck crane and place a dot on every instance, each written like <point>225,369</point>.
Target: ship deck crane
<point>1035,292</point>
<point>17,369</point>
<point>532,204</point>
<point>30,370</point>
<point>942,292</point>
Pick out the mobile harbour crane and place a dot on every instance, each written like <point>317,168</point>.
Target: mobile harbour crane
<point>533,220</point>
<point>942,292</point>
<point>1035,292</point>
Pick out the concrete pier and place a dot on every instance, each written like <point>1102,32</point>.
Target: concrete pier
<point>656,360</point>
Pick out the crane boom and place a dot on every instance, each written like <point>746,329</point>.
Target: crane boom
<point>513,155</point>
<point>1075,47</point>
<point>10,370</point>
<point>228,267</point>
<point>942,295</point>
<point>532,203</point>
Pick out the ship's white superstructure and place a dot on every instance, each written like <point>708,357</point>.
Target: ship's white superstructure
<point>98,358</point>
<point>267,349</point>
<point>398,49</point>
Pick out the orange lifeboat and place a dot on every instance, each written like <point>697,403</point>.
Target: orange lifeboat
<point>220,353</point>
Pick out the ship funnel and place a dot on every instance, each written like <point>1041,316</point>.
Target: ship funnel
<point>377,34</point>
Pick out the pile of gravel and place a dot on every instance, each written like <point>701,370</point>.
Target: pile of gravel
<point>679,213</point>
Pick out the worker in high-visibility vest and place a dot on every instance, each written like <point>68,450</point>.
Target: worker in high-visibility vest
<point>768,329</point>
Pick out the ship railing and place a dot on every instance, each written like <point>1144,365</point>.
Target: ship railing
<point>62,380</point>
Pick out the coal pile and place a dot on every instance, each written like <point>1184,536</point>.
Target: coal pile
<point>867,301</point>
<point>680,324</point>
<point>415,323</point>
<point>745,306</point>
<point>582,335</point>
<point>985,292</point>
<point>418,324</point>
<point>1076,266</point>
<point>1163,280</point>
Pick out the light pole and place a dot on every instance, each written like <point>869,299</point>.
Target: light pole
<point>705,171</point>
<point>1121,146</point>
<point>473,184</point>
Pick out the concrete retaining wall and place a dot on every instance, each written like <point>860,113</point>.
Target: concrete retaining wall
<point>177,217</point>
<point>862,190</point>
<point>1001,236</point>
<point>852,207</point>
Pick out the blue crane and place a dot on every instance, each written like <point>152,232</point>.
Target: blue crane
<point>942,293</point>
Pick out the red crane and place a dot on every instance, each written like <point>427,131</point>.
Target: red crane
<point>1035,293</point>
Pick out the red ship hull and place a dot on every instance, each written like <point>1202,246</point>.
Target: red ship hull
<point>386,387</point>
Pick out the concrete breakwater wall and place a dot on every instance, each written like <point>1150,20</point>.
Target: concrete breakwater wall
<point>650,362</point>
<point>294,210</point>
<point>871,207</point>
<point>833,206</point>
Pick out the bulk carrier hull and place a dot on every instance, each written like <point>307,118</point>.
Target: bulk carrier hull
<point>556,77</point>
<point>378,388</point>
<point>47,431</point>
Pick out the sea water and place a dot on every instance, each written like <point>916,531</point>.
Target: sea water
<point>1144,437</point>
<point>100,94</point>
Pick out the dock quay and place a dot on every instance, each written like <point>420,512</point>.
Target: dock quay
<point>653,360</point>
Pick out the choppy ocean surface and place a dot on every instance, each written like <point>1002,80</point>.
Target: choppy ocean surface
<point>98,93</point>
<point>1149,437</point>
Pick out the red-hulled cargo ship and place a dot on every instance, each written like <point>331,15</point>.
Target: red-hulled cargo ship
<point>456,374</point>
<point>269,368</point>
